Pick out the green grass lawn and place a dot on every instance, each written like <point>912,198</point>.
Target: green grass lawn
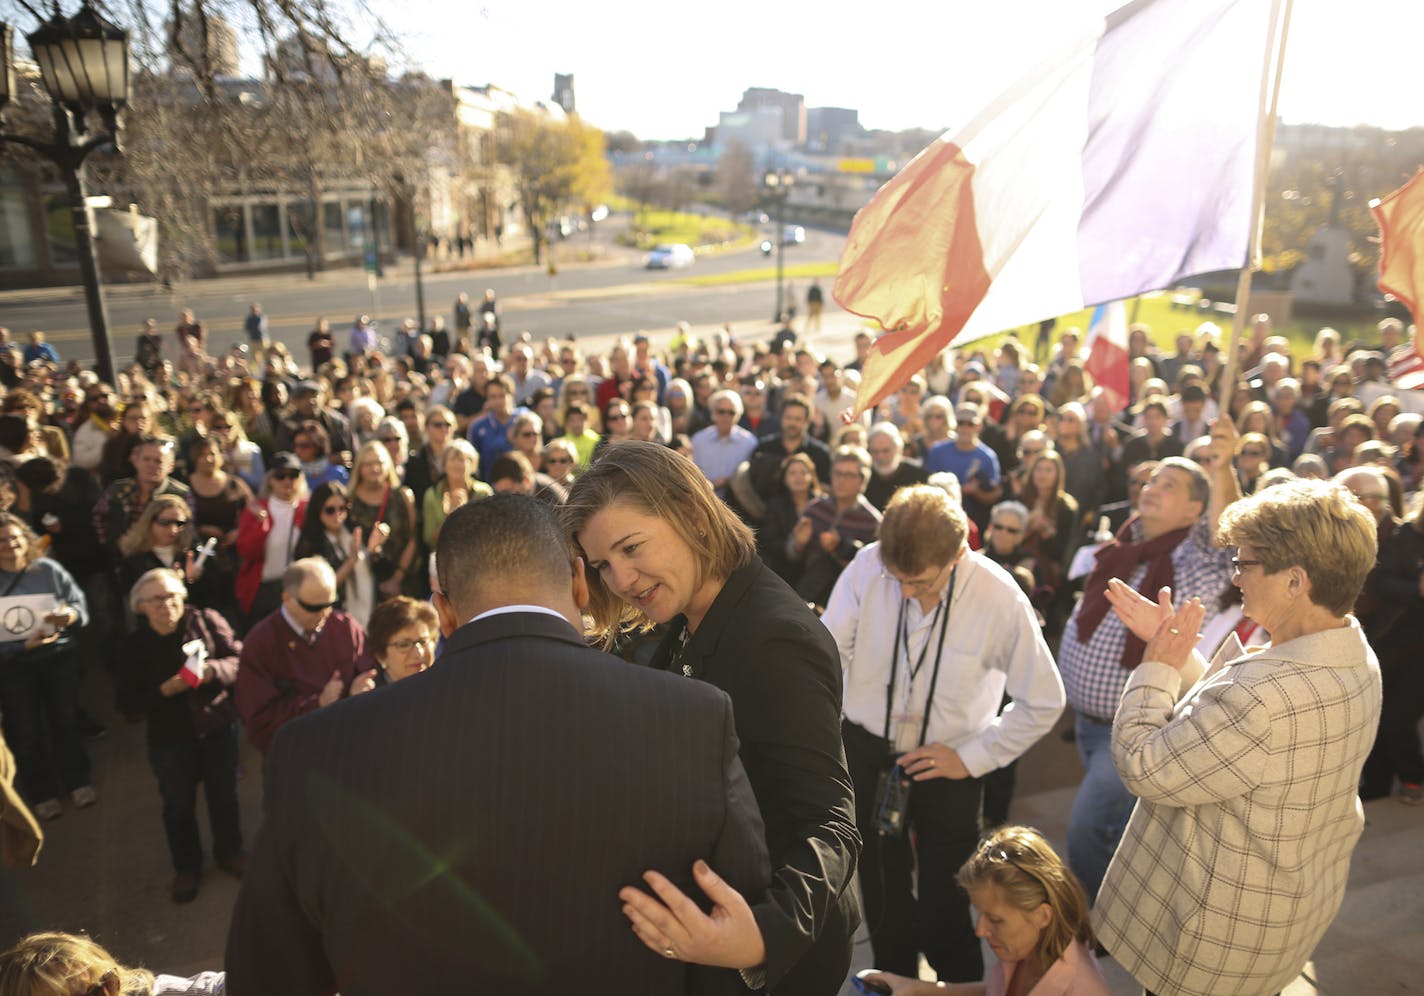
<point>651,228</point>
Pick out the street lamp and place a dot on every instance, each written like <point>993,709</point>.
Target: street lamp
<point>778,184</point>
<point>84,65</point>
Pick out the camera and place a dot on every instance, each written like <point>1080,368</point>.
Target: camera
<point>892,801</point>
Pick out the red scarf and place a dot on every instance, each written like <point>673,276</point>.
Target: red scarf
<point>1118,558</point>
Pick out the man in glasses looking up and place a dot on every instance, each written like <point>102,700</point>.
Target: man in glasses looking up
<point>299,658</point>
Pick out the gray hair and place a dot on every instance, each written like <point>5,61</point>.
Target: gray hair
<point>147,578</point>
<point>299,572</point>
<point>948,482</point>
<point>1015,508</point>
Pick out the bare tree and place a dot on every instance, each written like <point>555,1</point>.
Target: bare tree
<point>736,183</point>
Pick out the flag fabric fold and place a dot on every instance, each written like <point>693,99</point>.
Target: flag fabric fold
<point>1400,217</point>
<point>1119,165</point>
<point>1107,353</point>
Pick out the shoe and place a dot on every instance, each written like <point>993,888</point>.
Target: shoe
<point>184,888</point>
<point>48,810</point>
<point>1411,794</point>
<point>235,865</point>
<point>84,796</point>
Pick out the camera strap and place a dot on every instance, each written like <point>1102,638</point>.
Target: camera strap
<point>941,615</point>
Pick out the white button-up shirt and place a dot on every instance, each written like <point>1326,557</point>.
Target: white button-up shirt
<point>992,644</point>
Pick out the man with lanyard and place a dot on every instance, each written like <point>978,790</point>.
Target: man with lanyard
<point>931,636</point>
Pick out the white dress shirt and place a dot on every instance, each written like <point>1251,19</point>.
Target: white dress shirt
<point>992,644</point>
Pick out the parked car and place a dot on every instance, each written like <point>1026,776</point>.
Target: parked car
<point>793,235</point>
<point>669,257</point>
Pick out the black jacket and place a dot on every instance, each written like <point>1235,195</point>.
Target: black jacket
<point>148,660</point>
<point>761,645</point>
<point>467,830</point>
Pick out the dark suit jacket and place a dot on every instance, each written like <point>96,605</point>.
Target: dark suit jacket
<point>763,646</point>
<point>467,830</point>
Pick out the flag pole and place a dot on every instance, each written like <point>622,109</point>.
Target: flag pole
<point>1265,136</point>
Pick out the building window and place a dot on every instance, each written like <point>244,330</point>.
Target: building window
<point>301,227</point>
<point>266,232</point>
<point>17,245</point>
<point>334,230</point>
<point>230,232</point>
<point>59,227</point>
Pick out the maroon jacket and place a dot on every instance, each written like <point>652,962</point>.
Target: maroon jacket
<point>280,677</point>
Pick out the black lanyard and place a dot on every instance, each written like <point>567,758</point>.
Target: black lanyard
<point>900,633</point>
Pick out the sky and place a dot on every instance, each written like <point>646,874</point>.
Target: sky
<point>664,70</point>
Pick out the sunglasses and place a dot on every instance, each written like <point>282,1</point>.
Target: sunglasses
<point>617,417</point>
<point>724,411</point>
<point>286,475</point>
<point>999,854</point>
<point>171,523</point>
<point>334,510</point>
<point>558,459</point>
<point>317,607</point>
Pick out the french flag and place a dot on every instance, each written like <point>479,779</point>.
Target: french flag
<point>1121,164</point>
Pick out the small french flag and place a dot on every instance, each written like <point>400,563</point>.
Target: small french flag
<point>1120,165</point>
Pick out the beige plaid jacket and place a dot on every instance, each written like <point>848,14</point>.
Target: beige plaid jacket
<point>1235,859</point>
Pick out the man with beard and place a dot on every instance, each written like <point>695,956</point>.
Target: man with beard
<point>889,470</point>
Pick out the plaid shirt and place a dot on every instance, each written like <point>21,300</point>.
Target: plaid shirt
<point>1235,859</point>
<point>1093,674</point>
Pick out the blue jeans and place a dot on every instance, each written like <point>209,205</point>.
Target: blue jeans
<point>1101,808</point>
<point>38,689</point>
<point>180,769</point>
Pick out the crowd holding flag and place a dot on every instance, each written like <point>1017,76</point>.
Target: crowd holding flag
<point>1400,216</point>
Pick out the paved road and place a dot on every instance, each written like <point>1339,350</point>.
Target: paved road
<point>597,299</point>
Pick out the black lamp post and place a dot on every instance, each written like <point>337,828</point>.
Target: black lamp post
<point>84,65</point>
<point>778,184</point>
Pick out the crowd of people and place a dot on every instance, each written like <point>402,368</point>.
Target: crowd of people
<point>240,541</point>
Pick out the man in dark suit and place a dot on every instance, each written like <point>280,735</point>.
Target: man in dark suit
<point>468,829</point>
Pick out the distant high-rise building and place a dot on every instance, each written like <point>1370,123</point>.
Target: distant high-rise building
<point>792,105</point>
<point>210,41</point>
<point>828,128</point>
<point>564,91</point>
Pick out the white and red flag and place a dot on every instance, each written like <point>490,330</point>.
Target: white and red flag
<point>1107,357</point>
<point>1121,164</point>
<point>1400,217</point>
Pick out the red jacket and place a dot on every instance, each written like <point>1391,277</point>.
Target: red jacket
<point>252,550</point>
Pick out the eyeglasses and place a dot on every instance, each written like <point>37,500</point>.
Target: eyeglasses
<point>1036,452</point>
<point>171,523</point>
<point>1253,453</point>
<point>424,643</point>
<point>167,596</point>
<point>286,475</point>
<point>334,510</point>
<point>1237,564</point>
<point>558,460</point>
<point>317,607</point>
<point>617,417</point>
<point>914,584</point>
<point>724,411</point>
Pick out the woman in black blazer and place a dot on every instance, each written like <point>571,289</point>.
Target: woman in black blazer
<point>660,548</point>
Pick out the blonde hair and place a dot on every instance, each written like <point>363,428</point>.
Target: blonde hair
<point>653,480</point>
<point>32,544</point>
<point>923,528</point>
<point>60,964</point>
<point>1022,864</point>
<point>1317,526</point>
<point>138,538</point>
<point>389,474</point>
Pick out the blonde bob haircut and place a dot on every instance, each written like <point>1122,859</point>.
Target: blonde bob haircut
<point>923,528</point>
<point>1021,863</point>
<point>651,479</point>
<point>1317,526</point>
